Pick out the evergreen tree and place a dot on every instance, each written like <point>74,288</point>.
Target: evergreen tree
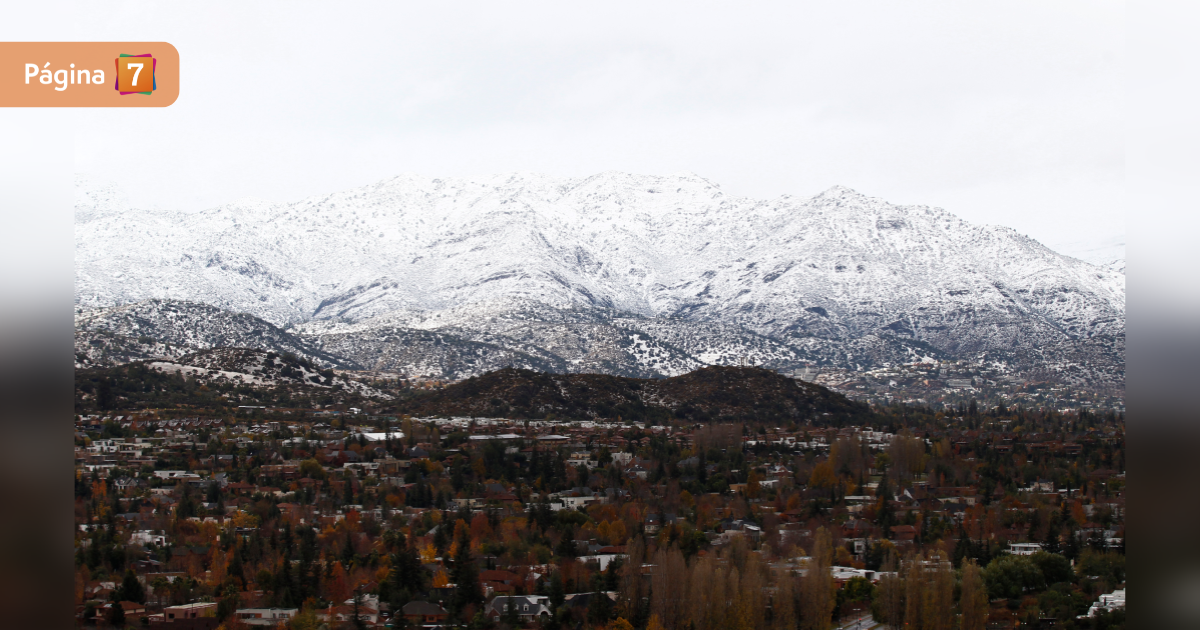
<point>357,621</point>
<point>557,594</point>
<point>511,618</point>
<point>1070,548</point>
<point>465,575</point>
<point>236,569</point>
<point>131,589</point>
<point>887,516</point>
<point>600,608</point>
<point>283,586</point>
<point>441,539</point>
<point>106,400</point>
<point>116,615</point>
<point>229,602</point>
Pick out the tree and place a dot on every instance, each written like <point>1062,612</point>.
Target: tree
<point>619,624</point>
<point>753,488</point>
<point>161,586</point>
<point>105,399</point>
<point>939,594</point>
<point>131,589</point>
<point>312,468</point>
<point>465,575</point>
<point>357,620</point>
<point>973,603</point>
<point>557,594</point>
<point>783,606</point>
<point>1012,576</point>
<point>229,602</point>
<point>888,606</point>
<point>817,590</point>
<point>511,618</point>
<point>600,608</point>
<point>915,584</point>
<point>1108,565</point>
<point>441,539</point>
<point>883,494</point>
<point>822,476</point>
<point>116,615</point>
<point>631,579</point>
<point>668,583</point>
<point>305,620</point>
<point>1054,567</point>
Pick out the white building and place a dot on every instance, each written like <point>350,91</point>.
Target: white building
<point>269,617</point>
<point>1024,549</point>
<point>1109,602</point>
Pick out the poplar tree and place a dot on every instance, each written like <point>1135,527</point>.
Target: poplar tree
<point>973,603</point>
<point>817,589</point>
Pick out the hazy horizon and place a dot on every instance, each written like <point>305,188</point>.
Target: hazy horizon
<point>1006,115</point>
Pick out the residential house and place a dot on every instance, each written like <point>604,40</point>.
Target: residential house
<point>424,613</point>
<point>189,611</point>
<point>527,607</point>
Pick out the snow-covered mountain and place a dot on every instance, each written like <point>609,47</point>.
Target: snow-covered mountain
<point>632,274</point>
<point>170,329</point>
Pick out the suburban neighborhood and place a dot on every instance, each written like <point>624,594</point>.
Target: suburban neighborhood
<point>976,518</point>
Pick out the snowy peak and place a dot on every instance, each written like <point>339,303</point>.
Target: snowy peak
<point>401,253</point>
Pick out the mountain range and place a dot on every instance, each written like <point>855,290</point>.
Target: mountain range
<point>634,275</point>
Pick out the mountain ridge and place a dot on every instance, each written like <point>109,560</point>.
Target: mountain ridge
<point>713,393</point>
<point>805,276</point>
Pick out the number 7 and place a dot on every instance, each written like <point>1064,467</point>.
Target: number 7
<point>135,72</point>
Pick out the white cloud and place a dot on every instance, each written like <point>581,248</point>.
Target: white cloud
<point>1002,113</point>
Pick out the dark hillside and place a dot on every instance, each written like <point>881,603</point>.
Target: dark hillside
<point>708,394</point>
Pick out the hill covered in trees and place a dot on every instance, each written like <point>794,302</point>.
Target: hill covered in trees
<point>738,394</point>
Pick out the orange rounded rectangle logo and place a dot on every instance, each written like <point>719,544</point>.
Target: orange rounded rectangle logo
<point>88,74</point>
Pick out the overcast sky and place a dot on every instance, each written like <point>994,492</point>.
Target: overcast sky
<point>1006,113</point>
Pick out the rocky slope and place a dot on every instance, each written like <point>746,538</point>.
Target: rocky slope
<point>224,378</point>
<point>616,273</point>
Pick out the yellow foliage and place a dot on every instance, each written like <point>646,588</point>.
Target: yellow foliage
<point>428,553</point>
<point>440,580</point>
<point>822,476</point>
<point>619,624</point>
<point>752,486</point>
<point>244,519</point>
<point>511,530</point>
<point>603,532</point>
<point>616,532</point>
